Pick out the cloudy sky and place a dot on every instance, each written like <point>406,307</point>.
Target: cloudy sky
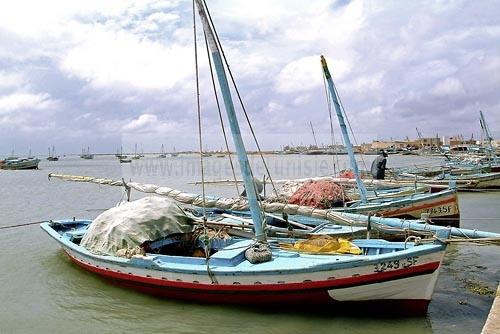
<point>117,72</point>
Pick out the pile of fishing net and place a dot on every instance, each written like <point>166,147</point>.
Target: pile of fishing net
<point>323,245</point>
<point>319,194</point>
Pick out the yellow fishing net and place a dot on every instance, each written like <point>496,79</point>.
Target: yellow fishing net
<point>323,245</point>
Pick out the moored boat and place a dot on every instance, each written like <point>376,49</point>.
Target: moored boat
<point>399,276</point>
<point>14,163</point>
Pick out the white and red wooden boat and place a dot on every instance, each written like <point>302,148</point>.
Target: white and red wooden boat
<point>398,277</point>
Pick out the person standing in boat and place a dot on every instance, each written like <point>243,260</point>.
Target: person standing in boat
<point>378,166</point>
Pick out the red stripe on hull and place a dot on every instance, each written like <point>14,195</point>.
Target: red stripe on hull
<point>290,294</point>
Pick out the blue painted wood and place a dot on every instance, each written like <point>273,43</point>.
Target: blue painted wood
<point>422,226</point>
<point>233,123</point>
<point>230,260</point>
<point>343,127</point>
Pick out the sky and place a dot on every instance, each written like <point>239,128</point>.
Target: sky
<point>105,74</point>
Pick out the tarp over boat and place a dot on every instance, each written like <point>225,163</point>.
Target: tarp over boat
<point>130,224</point>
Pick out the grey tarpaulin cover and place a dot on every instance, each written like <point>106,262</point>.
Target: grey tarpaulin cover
<point>130,224</point>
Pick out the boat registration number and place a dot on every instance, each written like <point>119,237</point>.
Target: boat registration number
<point>395,264</point>
<point>445,209</point>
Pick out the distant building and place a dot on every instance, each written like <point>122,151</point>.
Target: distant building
<point>430,142</point>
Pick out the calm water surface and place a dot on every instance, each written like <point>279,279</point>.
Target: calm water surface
<point>42,292</point>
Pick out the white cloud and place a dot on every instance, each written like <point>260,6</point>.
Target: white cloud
<point>300,75</point>
<point>16,101</point>
<point>124,64</point>
<point>39,19</point>
<point>144,121</point>
<point>448,87</point>
<point>121,59</point>
<point>305,74</point>
<point>10,80</point>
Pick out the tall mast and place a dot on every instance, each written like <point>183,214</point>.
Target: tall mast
<point>489,138</point>
<point>233,123</point>
<point>314,136</point>
<point>343,127</point>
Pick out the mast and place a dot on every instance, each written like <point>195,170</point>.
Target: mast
<point>343,127</point>
<point>489,138</point>
<point>314,136</point>
<point>233,123</point>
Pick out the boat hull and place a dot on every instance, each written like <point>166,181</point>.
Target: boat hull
<point>442,208</point>
<point>406,291</point>
<point>474,182</point>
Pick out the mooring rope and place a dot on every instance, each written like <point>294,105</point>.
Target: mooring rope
<point>206,240</point>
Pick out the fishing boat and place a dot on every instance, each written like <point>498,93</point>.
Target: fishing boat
<point>153,246</point>
<point>465,182</point>
<point>86,154</point>
<point>119,153</point>
<point>174,153</point>
<point>162,154</point>
<point>466,171</point>
<point>398,276</point>
<point>52,155</point>
<point>136,156</point>
<point>14,163</point>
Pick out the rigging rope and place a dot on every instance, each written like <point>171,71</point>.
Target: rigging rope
<point>239,98</point>
<point>206,240</point>
<point>199,110</point>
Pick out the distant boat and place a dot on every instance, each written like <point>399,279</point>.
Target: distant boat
<point>136,156</point>
<point>13,163</point>
<point>119,153</point>
<point>162,154</point>
<point>52,155</point>
<point>125,160</point>
<point>174,153</point>
<point>86,155</point>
